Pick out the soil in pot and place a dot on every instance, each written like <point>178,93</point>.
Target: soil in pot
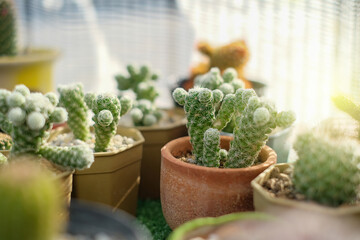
<point>190,191</point>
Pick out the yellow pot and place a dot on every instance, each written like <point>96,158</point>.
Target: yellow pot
<point>264,201</point>
<point>34,69</point>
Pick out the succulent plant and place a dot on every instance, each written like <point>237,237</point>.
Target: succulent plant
<point>107,112</point>
<point>141,82</point>
<point>5,142</point>
<point>254,121</point>
<point>7,29</point>
<point>326,171</point>
<point>28,117</point>
<point>73,100</point>
<point>30,206</point>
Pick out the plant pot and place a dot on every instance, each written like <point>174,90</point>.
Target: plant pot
<point>113,178</point>
<point>155,138</point>
<point>206,227</point>
<point>189,191</point>
<point>34,69</point>
<point>264,201</point>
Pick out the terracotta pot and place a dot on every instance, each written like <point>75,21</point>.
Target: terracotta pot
<point>34,69</point>
<point>189,191</point>
<point>155,138</point>
<point>113,179</point>
<point>264,201</point>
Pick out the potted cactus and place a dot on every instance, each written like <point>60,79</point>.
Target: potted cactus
<point>324,179</point>
<point>203,189</point>
<point>113,179</point>
<point>32,67</point>
<point>28,118</point>
<point>158,126</point>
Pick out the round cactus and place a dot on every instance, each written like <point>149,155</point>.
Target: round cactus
<point>326,172</point>
<point>30,206</point>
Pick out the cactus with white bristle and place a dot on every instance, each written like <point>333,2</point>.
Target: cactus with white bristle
<point>107,112</point>
<point>141,82</point>
<point>28,120</point>
<point>211,154</point>
<point>73,100</point>
<point>199,105</point>
<point>327,170</point>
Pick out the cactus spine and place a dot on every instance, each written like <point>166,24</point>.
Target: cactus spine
<point>326,172</point>
<point>72,99</point>
<point>28,117</point>
<point>7,29</point>
<point>141,82</point>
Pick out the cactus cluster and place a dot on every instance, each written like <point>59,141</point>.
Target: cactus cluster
<point>142,82</point>
<point>254,121</point>
<point>5,142</point>
<point>30,206</point>
<point>327,171</point>
<point>7,29</point>
<point>107,109</point>
<point>28,117</point>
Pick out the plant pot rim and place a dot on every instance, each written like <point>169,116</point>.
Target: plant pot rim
<point>305,205</point>
<point>180,232</point>
<point>35,55</point>
<point>136,135</point>
<point>166,154</point>
<point>158,127</point>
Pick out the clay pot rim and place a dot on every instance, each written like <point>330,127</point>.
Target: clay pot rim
<point>33,56</point>
<point>166,154</point>
<point>256,184</point>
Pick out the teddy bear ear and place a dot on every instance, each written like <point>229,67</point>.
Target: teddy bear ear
<point>205,48</point>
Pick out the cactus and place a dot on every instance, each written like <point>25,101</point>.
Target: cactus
<point>327,171</point>
<point>199,105</point>
<point>29,203</point>
<point>228,83</point>
<point>107,112</point>
<point>72,99</point>
<point>5,142</point>
<point>141,82</point>
<point>348,106</point>
<point>254,121</point>
<point>7,30</point>
<point>28,117</point>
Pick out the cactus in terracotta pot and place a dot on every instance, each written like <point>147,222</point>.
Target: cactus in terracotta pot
<point>254,121</point>
<point>7,29</point>
<point>107,109</point>
<point>28,118</point>
<point>141,82</point>
<point>327,171</point>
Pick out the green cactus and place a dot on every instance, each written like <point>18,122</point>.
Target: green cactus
<point>7,29</point>
<point>211,154</point>
<point>73,100</point>
<point>141,82</point>
<point>254,121</point>
<point>28,119</point>
<point>199,105</point>
<point>326,172</point>
<point>3,159</point>
<point>228,83</point>
<point>107,112</point>
<point>29,203</point>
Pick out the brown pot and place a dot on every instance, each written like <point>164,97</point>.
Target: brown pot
<point>155,138</point>
<point>189,191</point>
<point>113,179</point>
<point>265,202</point>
